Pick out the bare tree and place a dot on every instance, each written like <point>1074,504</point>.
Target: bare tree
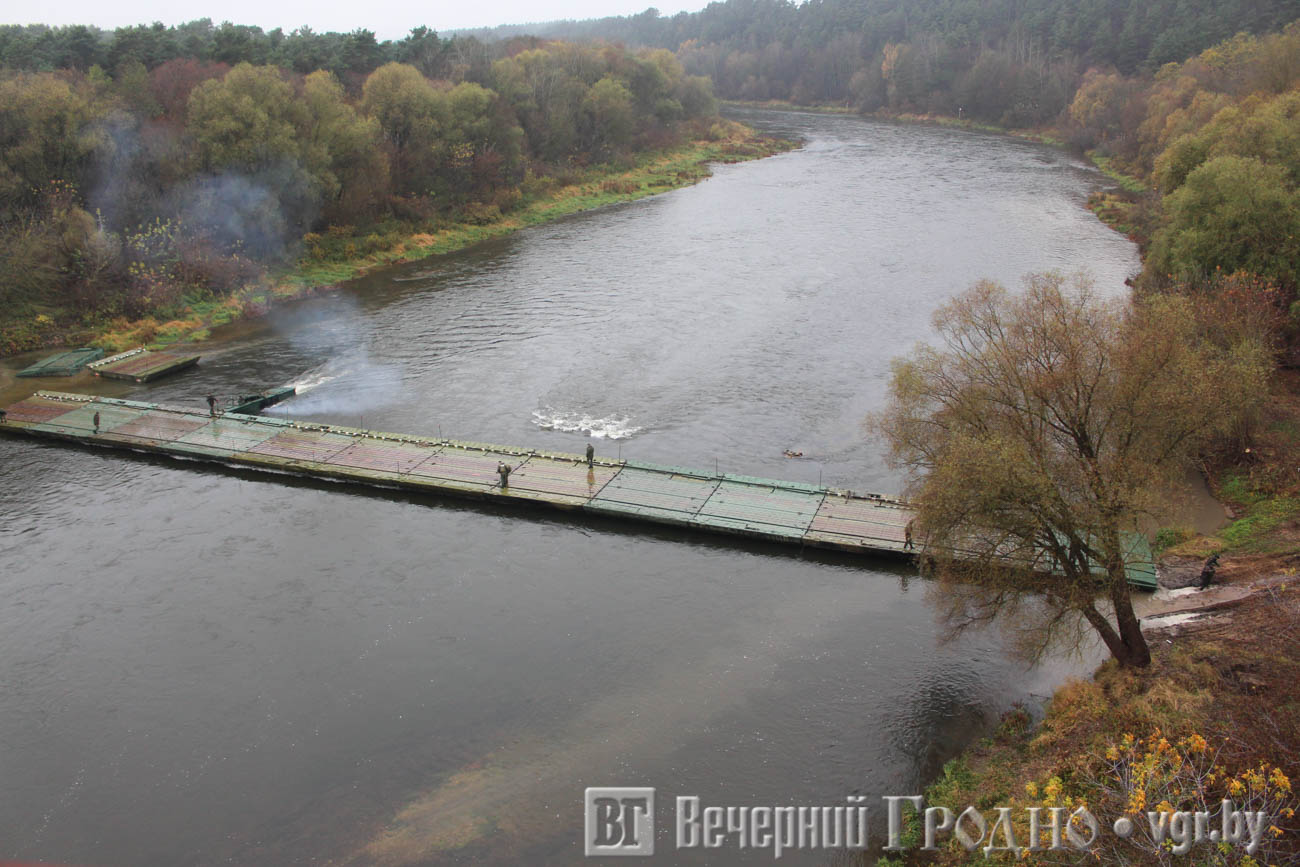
<point>1043,433</point>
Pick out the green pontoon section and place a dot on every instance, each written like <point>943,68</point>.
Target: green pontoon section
<point>64,364</point>
<point>786,512</point>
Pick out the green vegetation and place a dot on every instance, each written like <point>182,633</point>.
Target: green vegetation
<point>1213,138</point>
<point>1192,107</point>
<point>338,255</point>
<point>1011,63</point>
<point>1107,166</point>
<point>130,200</point>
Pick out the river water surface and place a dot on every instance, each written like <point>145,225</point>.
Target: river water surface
<point>206,666</point>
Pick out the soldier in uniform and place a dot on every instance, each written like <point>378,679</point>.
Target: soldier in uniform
<point>1207,571</point>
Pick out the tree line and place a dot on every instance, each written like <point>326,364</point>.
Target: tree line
<point>1217,137</point>
<point>349,56</point>
<point>126,190</point>
<point>1199,99</point>
<point>1012,62</point>
<point>1050,427</point>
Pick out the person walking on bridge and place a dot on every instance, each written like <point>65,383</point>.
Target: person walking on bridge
<point>907,536</point>
<point>504,469</point>
<point>212,406</point>
<point>591,455</point>
<point>95,421</point>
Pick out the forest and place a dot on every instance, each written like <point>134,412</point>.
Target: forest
<point>1216,139</point>
<point>146,169</point>
<point>1194,104</point>
<point>149,164</point>
<point>1010,62</point>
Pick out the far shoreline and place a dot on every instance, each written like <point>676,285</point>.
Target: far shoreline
<point>651,174</point>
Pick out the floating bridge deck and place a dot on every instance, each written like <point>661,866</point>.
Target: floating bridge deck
<point>787,512</point>
<point>65,363</point>
<point>142,365</point>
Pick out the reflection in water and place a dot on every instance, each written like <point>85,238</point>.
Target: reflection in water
<point>206,666</point>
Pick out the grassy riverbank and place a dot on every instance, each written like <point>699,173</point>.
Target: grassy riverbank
<point>334,256</point>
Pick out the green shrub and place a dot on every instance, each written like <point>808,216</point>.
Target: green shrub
<point>1168,537</point>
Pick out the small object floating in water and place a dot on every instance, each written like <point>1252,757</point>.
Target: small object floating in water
<point>792,454</point>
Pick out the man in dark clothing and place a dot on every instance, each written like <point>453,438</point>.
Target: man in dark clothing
<point>96,421</point>
<point>504,469</point>
<point>907,536</point>
<point>1207,571</point>
<point>591,454</point>
<point>212,406</point>
<point>2,416</point>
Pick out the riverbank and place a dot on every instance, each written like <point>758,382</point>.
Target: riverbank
<point>1042,136</point>
<point>332,257</point>
<point>1214,716</point>
<point>1224,664</point>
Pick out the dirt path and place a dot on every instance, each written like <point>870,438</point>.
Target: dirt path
<point>1239,580</point>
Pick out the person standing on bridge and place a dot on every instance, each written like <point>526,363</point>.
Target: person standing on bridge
<point>212,406</point>
<point>591,455</point>
<point>95,421</point>
<point>907,536</point>
<point>504,469</point>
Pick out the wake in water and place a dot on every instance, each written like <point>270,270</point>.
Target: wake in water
<point>611,427</point>
<point>317,376</point>
<point>348,383</point>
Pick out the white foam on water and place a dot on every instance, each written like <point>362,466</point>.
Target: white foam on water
<point>317,376</point>
<point>355,384</point>
<point>610,427</point>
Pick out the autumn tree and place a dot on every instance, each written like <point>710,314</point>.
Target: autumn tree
<point>607,110</point>
<point>249,129</point>
<point>246,119</point>
<point>1040,435</point>
<point>410,111</point>
<point>1265,129</point>
<point>341,151</point>
<point>46,133</point>
<point>1230,214</point>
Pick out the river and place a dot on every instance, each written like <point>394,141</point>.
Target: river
<point>206,666</point>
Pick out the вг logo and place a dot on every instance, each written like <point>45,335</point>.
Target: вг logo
<point>620,821</point>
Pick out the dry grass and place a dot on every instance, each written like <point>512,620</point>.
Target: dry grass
<point>1231,680</point>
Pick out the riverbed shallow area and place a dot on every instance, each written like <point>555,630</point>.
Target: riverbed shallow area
<point>206,665</point>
